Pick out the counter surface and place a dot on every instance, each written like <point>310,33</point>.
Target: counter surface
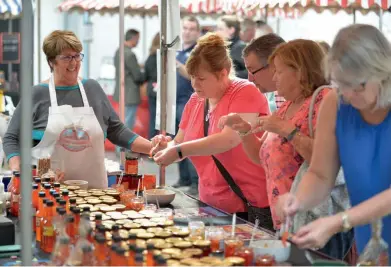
<point>188,209</point>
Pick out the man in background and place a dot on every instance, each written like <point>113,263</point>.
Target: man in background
<point>256,55</point>
<point>248,28</point>
<point>191,31</point>
<point>133,77</point>
<point>262,28</point>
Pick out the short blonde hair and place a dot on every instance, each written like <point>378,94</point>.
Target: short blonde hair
<point>359,53</point>
<point>57,41</point>
<point>212,53</point>
<point>305,56</point>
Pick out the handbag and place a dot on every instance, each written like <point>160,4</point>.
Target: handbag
<point>254,213</point>
<point>339,198</point>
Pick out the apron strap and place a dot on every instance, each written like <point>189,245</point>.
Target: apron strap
<point>53,96</point>
<point>83,93</point>
<point>52,92</point>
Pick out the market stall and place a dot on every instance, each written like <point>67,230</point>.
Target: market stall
<point>192,226</point>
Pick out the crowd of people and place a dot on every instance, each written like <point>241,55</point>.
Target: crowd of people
<point>318,159</point>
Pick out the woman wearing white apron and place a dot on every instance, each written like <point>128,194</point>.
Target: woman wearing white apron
<point>71,118</point>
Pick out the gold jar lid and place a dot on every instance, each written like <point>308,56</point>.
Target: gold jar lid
<point>81,202</point>
<point>154,229</point>
<point>211,261</point>
<point>145,235</point>
<point>123,221</point>
<point>80,191</point>
<point>110,201</point>
<point>202,243</point>
<point>136,231</point>
<point>167,223</point>
<point>94,201</point>
<point>174,239</point>
<point>101,205</point>
<point>83,195</point>
<point>88,198</point>
<point>194,252</point>
<point>141,221</point>
<point>119,217</point>
<point>132,225</point>
<point>180,256</point>
<point>119,207</point>
<point>73,187</point>
<point>124,234</point>
<point>113,193</point>
<point>166,256</point>
<point>172,229</point>
<point>155,241</point>
<point>173,263</point>
<point>134,216</point>
<point>183,244</point>
<point>163,245</point>
<point>163,234</point>
<point>98,193</point>
<point>181,233</point>
<point>141,243</point>
<point>171,250</point>
<point>105,197</point>
<point>106,208</point>
<point>191,262</point>
<point>235,261</point>
<point>148,224</point>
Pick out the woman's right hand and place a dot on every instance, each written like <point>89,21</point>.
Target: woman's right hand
<point>287,206</point>
<point>235,122</point>
<point>159,142</point>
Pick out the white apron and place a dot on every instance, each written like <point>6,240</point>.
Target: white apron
<point>74,140</point>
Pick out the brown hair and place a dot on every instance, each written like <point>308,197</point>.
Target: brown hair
<point>247,23</point>
<point>263,46</point>
<point>212,53</point>
<point>193,19</point>
<point>232,22</point>
<point>57,41</point>
<point>155,44</point>
<point>305,56</point>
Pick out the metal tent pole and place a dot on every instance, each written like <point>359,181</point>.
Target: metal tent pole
<point>381,19</point>
<point>122,67</point>
<point>38,14</point>
<point>163,81</point>
<point>354,16</point>
<point>27,33</point>
<point>10,21</point>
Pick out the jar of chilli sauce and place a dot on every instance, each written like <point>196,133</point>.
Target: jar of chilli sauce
<point>131,165</point>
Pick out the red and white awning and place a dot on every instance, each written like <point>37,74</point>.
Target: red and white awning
<point>245,7</point>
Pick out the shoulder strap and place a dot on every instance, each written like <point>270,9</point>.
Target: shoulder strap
<point>227,176</point>
<point>311,109</point>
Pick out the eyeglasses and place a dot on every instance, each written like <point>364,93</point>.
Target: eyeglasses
<point>358,88</point>
<point>258,70</point>
<point>78,57</point>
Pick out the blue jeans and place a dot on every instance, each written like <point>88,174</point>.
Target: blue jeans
<point>130,115</point>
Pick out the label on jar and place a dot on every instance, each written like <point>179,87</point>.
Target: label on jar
<point>15,198</point>
<point>38,221</point>
<point>48,231</point>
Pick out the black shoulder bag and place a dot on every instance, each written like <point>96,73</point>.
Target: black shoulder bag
<point>262,214</point>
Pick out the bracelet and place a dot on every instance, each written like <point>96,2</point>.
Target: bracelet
<point>346,226</point>
<point>292,134</point>
<point>179,150</point>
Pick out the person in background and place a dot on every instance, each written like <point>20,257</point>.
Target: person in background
<point>229,28</point>
<point>255,57</point>
<point>354,130</point>
<point>150,70</point>
<point>325,46</point>
<point>217,93</point>
<point>191,31</point>
<point>71,118</point>
<point>262,29</point>
<point>133,77</point>
<point>248,28</point>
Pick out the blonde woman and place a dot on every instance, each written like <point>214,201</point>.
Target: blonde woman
<point>354,130</point>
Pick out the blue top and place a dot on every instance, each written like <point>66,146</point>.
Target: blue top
<point>365,153</point>
<point>184,88</point>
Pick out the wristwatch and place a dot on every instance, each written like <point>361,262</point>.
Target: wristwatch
<point>346,226</point>
<point>292,134</point>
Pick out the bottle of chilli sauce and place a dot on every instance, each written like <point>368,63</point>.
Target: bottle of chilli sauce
<point>48,234</point>
<point>15,194</point>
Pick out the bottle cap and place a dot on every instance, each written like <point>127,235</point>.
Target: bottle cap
<point>100,238</point>
<point>150,246</point>
<point>56,184</point>
<point>72,200</point>
<point>62,202</point>
<point>16,173</point>
<point>41,194</point>
<point>49,203</point>
<point>120,251</point>
<point>76,210</point>
<point>116,238</point>
<point>35,187</point>
<point>132,236</point>
<point>65,193</point>
<point>139,257</point>
<point>98,216</point>
<point>115,227</point>
<point>86,248</point>
<point>46,186</point>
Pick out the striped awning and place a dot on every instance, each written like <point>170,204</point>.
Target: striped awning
<point>225,6</point>
<point>10,8</point>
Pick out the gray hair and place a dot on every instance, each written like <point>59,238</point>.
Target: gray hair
<point>361,53</point>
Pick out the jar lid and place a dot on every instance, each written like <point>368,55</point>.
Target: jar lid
<point>131,158</point>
